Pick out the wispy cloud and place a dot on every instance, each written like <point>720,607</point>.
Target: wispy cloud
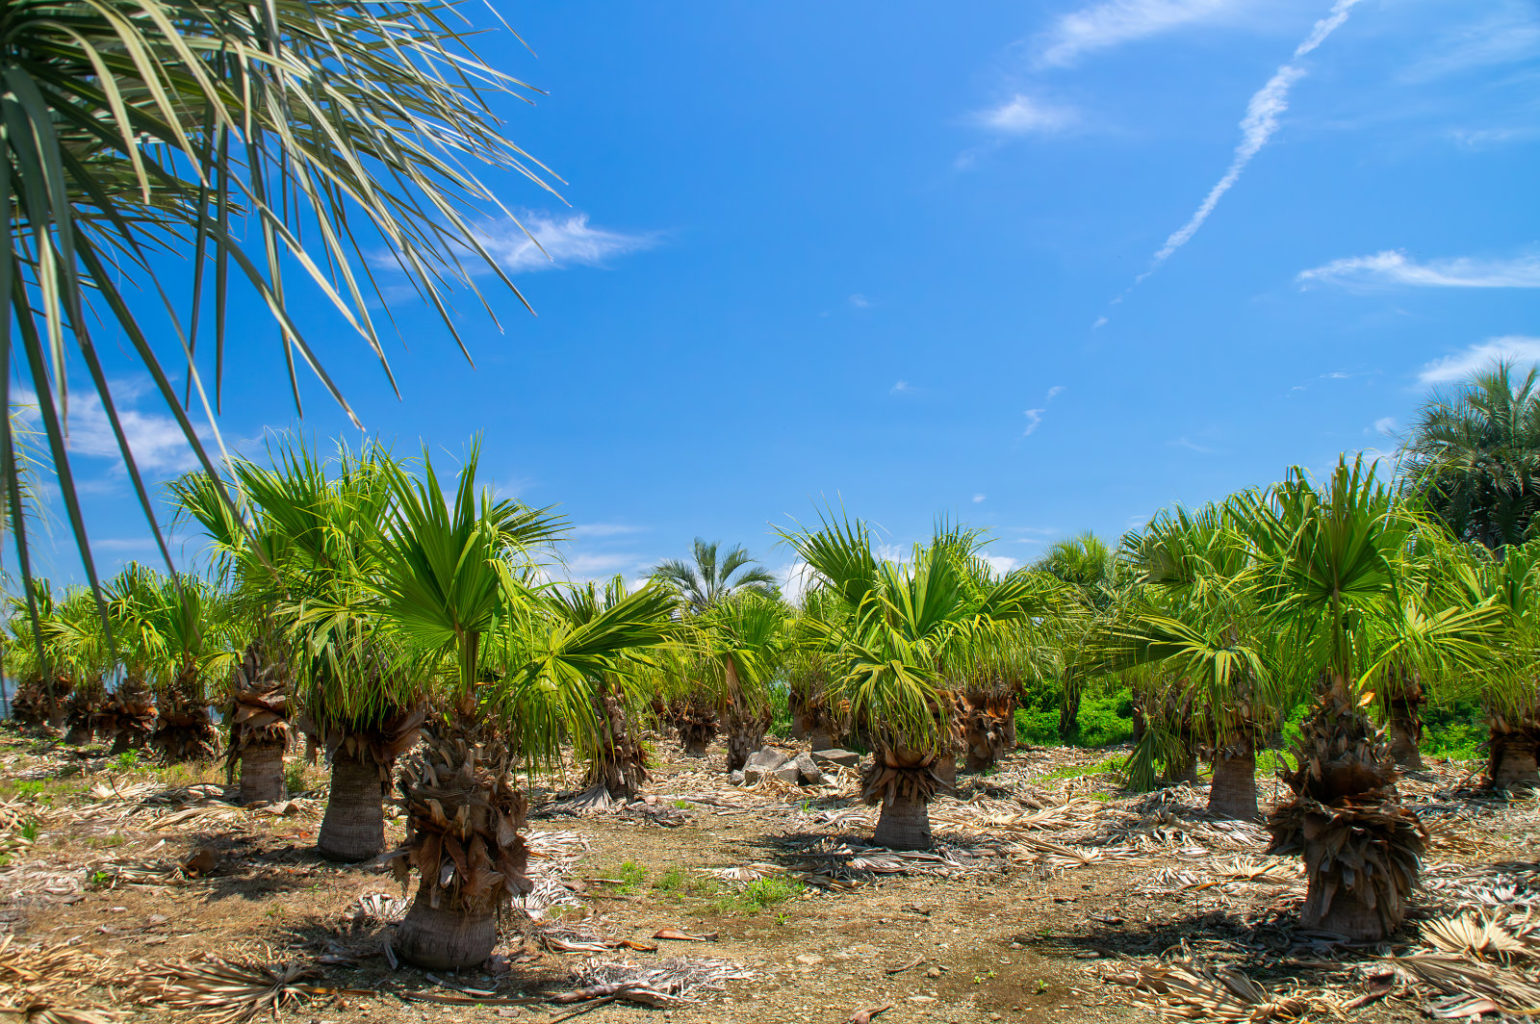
<point>859,301</point>
<point>1024,115</point>
<point>978,498</point>
<point>1506,33</point>
<point>1034,420</point>
<point>1394,267</point>
<point>585,530</point>
<point>1115,22</point>
<point>1001,564</point>
<point>1385,425</point>
<point>562,242</point>
<point>1513,348</point>
<point>1055,391</point>
<point>1257,128</point>
<point>1192,446</point>
<point>903,387</point>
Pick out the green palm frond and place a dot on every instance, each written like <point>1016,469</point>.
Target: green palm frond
<point>272,147</point>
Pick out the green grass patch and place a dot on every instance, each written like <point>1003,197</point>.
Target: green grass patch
<point>760,894</point>
<point>1107,766</point>
<point>632,876</point>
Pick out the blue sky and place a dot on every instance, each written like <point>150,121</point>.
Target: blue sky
<point>1042,267</point>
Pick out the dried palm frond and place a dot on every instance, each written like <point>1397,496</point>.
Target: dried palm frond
<point>1485,938</point>
<point>1456,976</point>
<point>226,990</point>
<point>26,965</point>
<point>32,1008</point>
<point>1193,991</point>
<point>666,984</point>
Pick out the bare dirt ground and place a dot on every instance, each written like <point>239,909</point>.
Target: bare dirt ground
<point>130,893</point>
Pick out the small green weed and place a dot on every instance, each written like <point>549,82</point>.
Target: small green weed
<point>979,979</point>
<point>99,879</point>
<point>632,877</point>
<point>682,805</point>
<point>1042,986</point>
<point>28,830</point>
<point>674,881</point>
<point>1109,766</point>
<point>760,894</point>
<point>294,777</point>
<point>128,760</point>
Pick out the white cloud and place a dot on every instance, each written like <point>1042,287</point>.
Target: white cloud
<point>599,565</point>
<point>156,439</point>
<point>1100,322</point>
<point>1114,22</point>
<point>1034,420</point>
<point>1001,564</point>
<point>860,301</point>
<point>568,241</point>
<point>1055,391</point>
<point>796,579</point>
<point>1257,128</point>
<point>1385,425</point>
<point>979,498</point>
<point>1023,115</point>
<point>903,387</point>
<point>1512,348</point>
<point>1393,267</point>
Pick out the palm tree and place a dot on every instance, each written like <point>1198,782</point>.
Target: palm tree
<point>617,767</point>
<point>247,551</point>
<point>127,716</point>
<point>711,577</point>
<point>1474,456</point>
<point>1330,575</point>
<point>32,659</point>
<point>75,635</point>
<point>1088,566</point>
<point>457,582</point>
<point>890,633</point>
<point>195,626</point>
<point>354,698</point>
<point>246,139</point>
<point>1192,621</point>
<point>744,641</point>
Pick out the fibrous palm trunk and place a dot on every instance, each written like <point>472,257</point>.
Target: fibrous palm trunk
<point>1513,750</point>
<point>362,757</point>
<point>40,703</point>
<point>619,764</point>
<point>462,837</point>
<point>1069,708</point>
<point>696,719</point>
<point>84,705</point>
<point>982,718</point>
<point>259,725</point>
<point>184,730</point>
<point>745,732</point>
<point>127,716</point>
<point>902,783</point>
<point>1403,701</point>
<point>1362,849</point>
<point>1233,793</point>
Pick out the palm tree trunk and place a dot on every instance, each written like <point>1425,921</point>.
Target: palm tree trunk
<point>1514,742</point>
<point>745,733</point>
<point>1233,793</point>
<point>354,826</point>
<point>445,937</point>
<point>903,824</point>
<point>261,771</point>
<point>619,766</point>
<point>1403,698</point>
<point>1362,849</point>
<point>1069,710</point>
<point>464,818</point>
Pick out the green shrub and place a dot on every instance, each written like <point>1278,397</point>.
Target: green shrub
<point>780,712</point>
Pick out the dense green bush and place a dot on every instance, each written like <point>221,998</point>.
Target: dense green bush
<point>780,712</point>
<point>1104,719</point>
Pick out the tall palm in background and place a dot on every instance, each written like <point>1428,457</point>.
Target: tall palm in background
<point>1473,456</point>
<point>127,715</point>
<point>743,640</point>
<point>712,576</point>
<point>243,140</point>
